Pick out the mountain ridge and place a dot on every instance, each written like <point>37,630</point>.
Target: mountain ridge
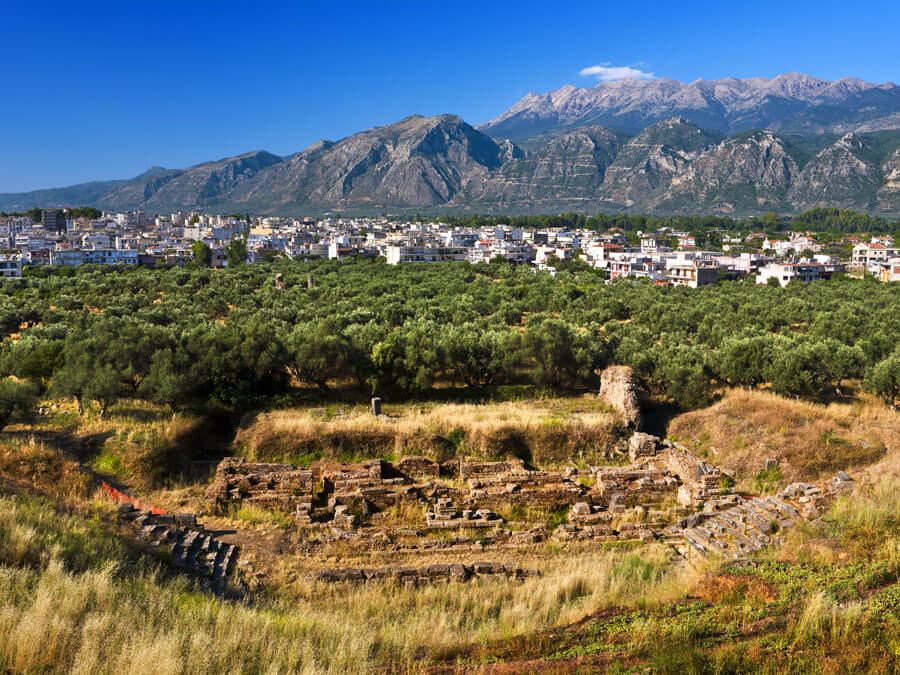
<point>441,163</point>
<point>789,103</point>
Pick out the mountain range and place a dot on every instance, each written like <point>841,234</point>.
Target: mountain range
<point>735,147</point>
<point>790,104</point>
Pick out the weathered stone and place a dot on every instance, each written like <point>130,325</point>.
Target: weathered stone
<point>581,509</point>
<point>619,389</point>
<point>642,445</point>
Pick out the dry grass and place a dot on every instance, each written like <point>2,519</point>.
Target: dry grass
<point>547,431</point>
<point>44,468</point>
<point>106,619</point>
<point>136,443</point>
<point>809,440</point>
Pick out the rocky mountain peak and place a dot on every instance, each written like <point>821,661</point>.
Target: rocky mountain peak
<point>730,105</point>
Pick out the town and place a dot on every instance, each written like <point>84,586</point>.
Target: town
<point>666,257</point>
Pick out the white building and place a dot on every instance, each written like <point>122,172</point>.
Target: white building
<point>870,257</point>
<point>402,254</point>
<point>10,266</point>
<point>100,256</point>
<point>691,273</point>
<point>788,272</point>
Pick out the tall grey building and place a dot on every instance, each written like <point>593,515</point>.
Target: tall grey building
<point>52,219</point>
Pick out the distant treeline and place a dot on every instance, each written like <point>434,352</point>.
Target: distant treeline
<point>838,221</point>
<point>815,220</point>
<point>231,340</point>
<point>35,214</point>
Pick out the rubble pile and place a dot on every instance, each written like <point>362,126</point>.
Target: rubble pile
<point>435,573</point>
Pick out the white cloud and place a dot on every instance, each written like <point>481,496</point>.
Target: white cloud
<point>606,72</point>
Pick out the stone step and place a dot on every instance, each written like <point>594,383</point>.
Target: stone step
<point>147,531</point>
<point>784,507</point>
<point>183,554</point>
<point>754,519</point>
<point>766,510</point>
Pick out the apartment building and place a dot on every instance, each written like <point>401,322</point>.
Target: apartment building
<point>10,266</point>
<point>403,254</point>
<point>785,273</point>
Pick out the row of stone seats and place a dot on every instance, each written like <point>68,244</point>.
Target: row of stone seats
<point>410,575</point>
<point>752,523</point>
<point>193,550</point>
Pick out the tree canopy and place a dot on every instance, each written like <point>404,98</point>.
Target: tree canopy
<point>230,339</point>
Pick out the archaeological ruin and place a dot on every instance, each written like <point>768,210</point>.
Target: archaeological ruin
<point>663,493</point>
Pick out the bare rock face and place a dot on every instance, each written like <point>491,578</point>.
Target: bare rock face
<point>754,169</point>
<point>570,167</point>
<point>619,388</point>
<point>840,175</point>
<point>889,193</point>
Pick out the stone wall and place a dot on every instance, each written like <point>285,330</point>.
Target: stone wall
<point>276,486</point>
<point>619,389</point>
<point>435,573</point>
<point>418,468</point>
<point>488,470</point>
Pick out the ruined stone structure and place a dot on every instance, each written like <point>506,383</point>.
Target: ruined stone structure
<point>445,515</point>
<point>619,389</point>
<point>435,573</point>
<point>281,487</point>
<point>666,494</point>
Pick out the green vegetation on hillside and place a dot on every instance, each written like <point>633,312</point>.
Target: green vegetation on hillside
<point>826,220</point>
<point>229,340</point>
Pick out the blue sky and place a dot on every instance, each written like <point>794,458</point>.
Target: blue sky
<point>96,90</point>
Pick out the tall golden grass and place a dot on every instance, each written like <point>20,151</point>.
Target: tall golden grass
<point>109,618</point>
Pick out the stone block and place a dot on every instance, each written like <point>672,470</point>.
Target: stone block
<point>581,509</point>
<point>642,445</point>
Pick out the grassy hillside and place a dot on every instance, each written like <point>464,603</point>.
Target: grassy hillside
<point>547,431</point>
<point>76,595</point>
<point>809,440</point>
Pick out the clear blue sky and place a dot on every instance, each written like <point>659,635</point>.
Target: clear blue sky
<point>96,90</point>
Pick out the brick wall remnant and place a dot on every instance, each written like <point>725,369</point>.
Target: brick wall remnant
<point>277,486</point>
<point>619,388</point>
<point>435,573</point>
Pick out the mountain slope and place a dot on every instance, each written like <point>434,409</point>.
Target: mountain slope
<point>568,168</point>
<point>418,161</point>
<point>791,103</point>
<point>441,163</point>
<point>83,193</point>
<point>156,189</point>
